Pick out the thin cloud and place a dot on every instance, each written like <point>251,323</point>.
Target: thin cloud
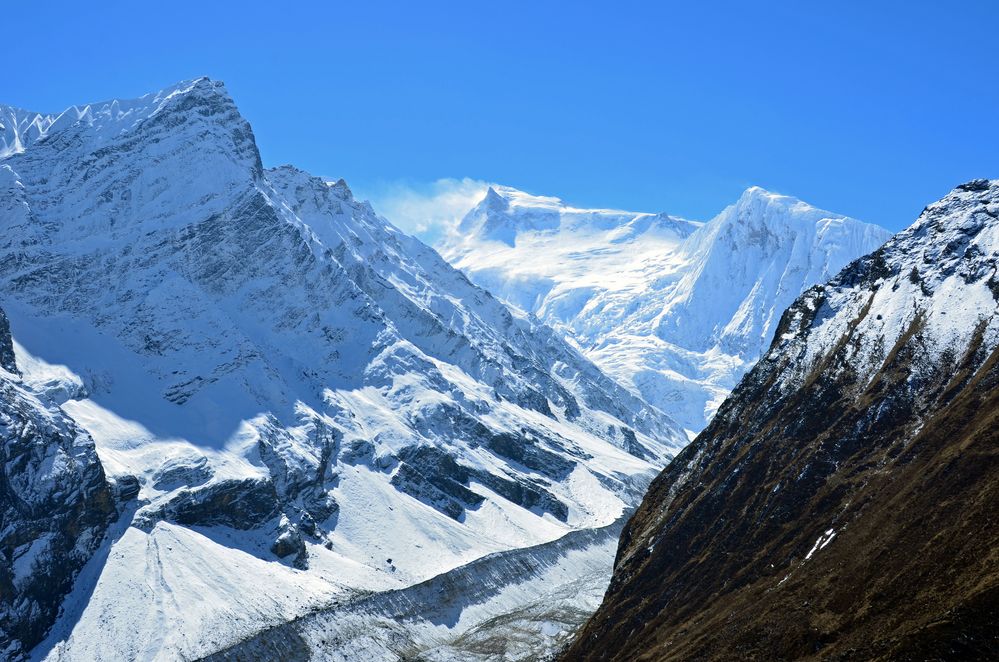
<point>430,210</point>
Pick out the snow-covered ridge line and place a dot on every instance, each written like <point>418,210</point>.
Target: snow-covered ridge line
<point>506,212</point>
<point>517,198</point>
<point>20,128</point>
<point>859,454</point>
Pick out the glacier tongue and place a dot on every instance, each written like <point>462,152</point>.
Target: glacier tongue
<point>310,402</point>
<point>678,310</point>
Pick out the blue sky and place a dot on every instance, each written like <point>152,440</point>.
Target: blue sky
<point>871,109</point>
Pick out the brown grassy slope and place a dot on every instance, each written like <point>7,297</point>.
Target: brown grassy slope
<point>713,568</point>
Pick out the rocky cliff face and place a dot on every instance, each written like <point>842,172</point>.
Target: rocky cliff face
<point>55,507</point>
<point>7,360</point>
<point>842,504</point>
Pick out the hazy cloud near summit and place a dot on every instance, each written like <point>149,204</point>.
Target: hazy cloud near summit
<point>428,210</point>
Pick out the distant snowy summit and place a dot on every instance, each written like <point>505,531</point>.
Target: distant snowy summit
<point>505,214</point>
<point>676,309</point>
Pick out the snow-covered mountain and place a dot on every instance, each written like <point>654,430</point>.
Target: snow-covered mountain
<point>842,504</point>
<point>310,403</point>
<point>676,309</point>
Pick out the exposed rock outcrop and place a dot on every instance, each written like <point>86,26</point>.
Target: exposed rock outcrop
<point>55,507</point>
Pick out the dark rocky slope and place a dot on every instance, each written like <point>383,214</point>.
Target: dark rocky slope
<point>843,504</point>
<point>55,507</point>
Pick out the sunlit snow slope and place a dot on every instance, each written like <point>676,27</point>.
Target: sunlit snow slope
<point>676,309</point>
<point>312,402</point>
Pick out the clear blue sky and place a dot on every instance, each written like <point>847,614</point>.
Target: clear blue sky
<point>871,109</point>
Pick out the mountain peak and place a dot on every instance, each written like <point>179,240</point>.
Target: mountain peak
<point>19,128</point>
<point>969,190</point>
<point>963,213</point>
<point>504,212</point>
<point>191,130</point>
<point>514,197</point>
<point>761,196</point>
<point>493,200</point>
<point>270,356</point>
<point>759,210</point>
<point>977,185</point>
<point>755,192</point>
<point>656,300</point>
<point>868,427</point>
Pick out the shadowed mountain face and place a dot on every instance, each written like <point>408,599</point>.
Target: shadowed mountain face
<point>842,504</point>
<point>55,506</point>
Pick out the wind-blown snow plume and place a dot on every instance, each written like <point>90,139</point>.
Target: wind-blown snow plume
<point>429,211</point>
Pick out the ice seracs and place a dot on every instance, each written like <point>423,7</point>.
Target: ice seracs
<point>676,309</point>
